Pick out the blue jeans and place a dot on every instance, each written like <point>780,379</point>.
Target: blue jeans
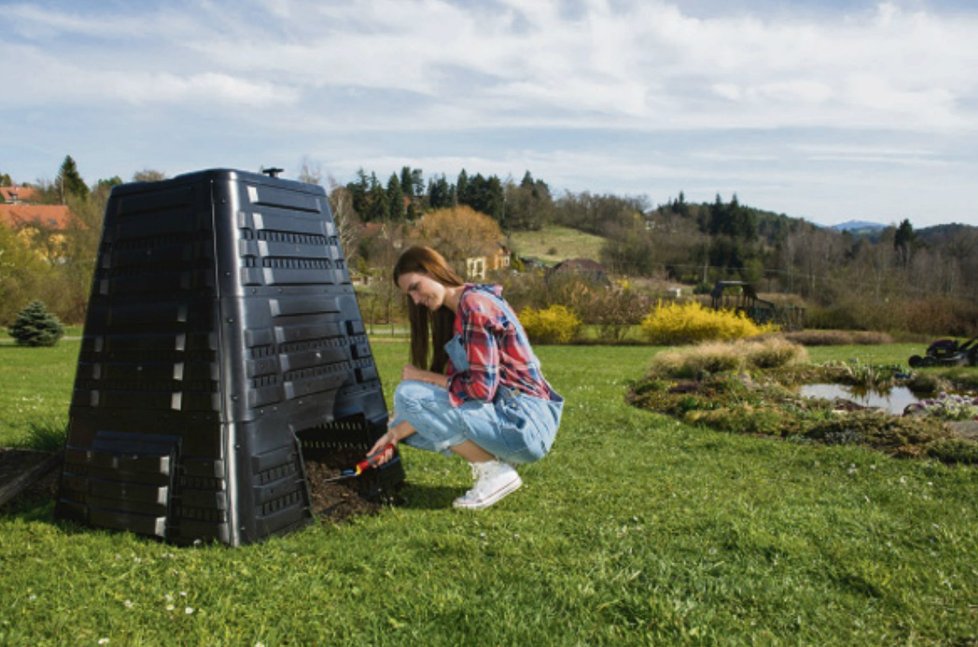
<point>515,428</point>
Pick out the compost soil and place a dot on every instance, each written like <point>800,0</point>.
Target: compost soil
<point>330,500</point>
<point>335,500</point>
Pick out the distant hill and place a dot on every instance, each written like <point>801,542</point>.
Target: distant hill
<point>938,235</point>
<point>859,227</point>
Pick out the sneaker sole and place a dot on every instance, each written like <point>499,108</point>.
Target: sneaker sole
<point>500,493</point>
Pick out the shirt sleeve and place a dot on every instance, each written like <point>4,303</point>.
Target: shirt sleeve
<point>481,379</point>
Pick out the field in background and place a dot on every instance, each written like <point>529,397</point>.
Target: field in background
<point>553,244</point>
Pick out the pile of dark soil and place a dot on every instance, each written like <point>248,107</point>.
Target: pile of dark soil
<point>335,500</point>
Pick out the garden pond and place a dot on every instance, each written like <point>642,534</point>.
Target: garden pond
<point>894,400</point>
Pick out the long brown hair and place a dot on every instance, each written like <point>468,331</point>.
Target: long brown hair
<point>434,328</point>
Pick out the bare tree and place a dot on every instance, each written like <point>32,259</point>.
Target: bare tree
<point>345,217</point>
<point>148,175</point>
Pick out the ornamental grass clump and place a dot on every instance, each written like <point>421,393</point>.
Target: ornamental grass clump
<point>554,325</point>
<point>695,361</point>
<point>718,357</point>
<point>773,352</point>
<point>690,322</point>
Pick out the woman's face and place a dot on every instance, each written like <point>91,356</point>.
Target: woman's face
<point>422,289</point>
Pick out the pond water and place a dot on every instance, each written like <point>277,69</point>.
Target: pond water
<point>893,401</point>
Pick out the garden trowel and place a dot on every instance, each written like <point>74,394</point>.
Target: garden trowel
<point>358,469</point>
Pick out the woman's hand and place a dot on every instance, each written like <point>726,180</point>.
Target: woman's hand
<point>383,449</point>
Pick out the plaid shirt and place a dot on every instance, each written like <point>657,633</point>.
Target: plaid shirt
<point>496,347</point>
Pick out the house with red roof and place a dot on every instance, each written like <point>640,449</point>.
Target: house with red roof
<point>41,216</point>
<point>17,194</point>
<point>41,226</point>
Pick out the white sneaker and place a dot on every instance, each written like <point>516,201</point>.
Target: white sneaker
<point>493,481</point>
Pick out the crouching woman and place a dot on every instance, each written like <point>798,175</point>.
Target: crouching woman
<point>483,395</point>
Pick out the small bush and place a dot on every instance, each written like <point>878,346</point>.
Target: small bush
<point>690,322</point>
<point>613,311</point>
<point>954,450</point>
<point>553,325</point>
<point>35,326</point>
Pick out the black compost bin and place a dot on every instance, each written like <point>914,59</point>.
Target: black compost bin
<point>223,343</point>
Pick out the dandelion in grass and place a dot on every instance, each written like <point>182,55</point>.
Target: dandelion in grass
<point>103,641</point>
<point>189,611</point>
<point>170,607</point>
<point>127,604</point>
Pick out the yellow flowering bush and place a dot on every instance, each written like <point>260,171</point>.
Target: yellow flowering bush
<point>554,325</point>
<point>690,322</point>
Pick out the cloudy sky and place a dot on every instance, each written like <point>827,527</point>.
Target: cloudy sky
<point>829,110</point>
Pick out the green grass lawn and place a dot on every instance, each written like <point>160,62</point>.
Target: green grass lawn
<point>635,530</point>
<point>554,243</point>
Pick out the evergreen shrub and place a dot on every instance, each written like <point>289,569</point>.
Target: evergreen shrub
<point>36,326</point>
<point>554,325</point>
<point>690,322</point>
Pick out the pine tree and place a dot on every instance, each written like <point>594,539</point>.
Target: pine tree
<point>462,188</point>
<point>35,326</point>
<point>904,242</point>
<point>441,194</point>
<point>70,183</point>
<point>395,199</point>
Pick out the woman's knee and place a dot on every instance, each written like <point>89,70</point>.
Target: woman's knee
<point>409,395</point>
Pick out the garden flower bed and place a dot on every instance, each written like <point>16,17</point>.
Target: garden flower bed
<point>706,386</point>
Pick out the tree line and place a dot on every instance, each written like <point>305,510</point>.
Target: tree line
<point>849,279</point>
<point>899,277</point>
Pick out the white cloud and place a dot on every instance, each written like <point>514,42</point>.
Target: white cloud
<point>635,60</point>
<point>312,73</point>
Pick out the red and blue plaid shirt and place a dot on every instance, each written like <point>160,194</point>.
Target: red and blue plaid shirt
<point>497,349</point>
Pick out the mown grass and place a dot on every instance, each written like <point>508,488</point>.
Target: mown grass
<point>636,529</point>
<point>554,243</point>
<point>36,389</point>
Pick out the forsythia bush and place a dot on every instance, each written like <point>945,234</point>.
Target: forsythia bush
<point>553,325</point>
<point>688,323</point>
